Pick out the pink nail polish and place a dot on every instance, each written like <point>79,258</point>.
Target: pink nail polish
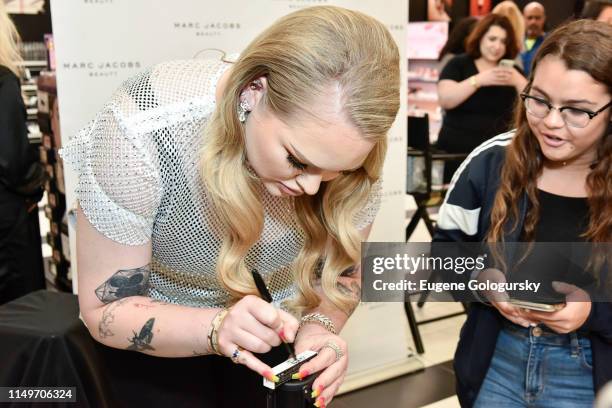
<point>269,375</point>
<point>315,393</point>
<point>301,375</point>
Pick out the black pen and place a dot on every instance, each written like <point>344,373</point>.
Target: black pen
<point>265,295</point>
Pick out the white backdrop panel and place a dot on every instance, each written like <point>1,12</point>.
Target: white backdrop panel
<point>100,43</point>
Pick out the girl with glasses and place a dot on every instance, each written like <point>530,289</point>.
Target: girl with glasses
<point>547,181</point>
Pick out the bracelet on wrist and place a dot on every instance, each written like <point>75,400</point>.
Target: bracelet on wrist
<point>320,319</point>
<point>474,82</point>
<point>213,332</point>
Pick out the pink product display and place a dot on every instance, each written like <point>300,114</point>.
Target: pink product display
<point>425,40</point>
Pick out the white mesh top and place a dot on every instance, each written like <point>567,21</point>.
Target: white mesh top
<point>139,180</point>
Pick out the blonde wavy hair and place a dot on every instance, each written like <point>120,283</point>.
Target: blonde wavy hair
<point>301,54</point>
<point>510,10</point>
<point>9,42</point>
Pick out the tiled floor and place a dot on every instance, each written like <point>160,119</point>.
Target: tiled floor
<point>434,384</point>
<point>450,402</point>
<point>411,391</point>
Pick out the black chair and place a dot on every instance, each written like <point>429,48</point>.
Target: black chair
<point>425,194</point>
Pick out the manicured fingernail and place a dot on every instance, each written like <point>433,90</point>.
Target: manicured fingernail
<point>300,375</point>
<point>317,392</point>
<point>282,336</point>
<point>320,403</point>
<point>270,376</point>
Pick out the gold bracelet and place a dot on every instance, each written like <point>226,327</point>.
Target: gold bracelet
<point>474,82</point>
<point>320,319</point>
<point>213,332</point>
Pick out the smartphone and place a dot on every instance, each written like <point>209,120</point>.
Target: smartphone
<point>506,63</point>
<point>540,307</point>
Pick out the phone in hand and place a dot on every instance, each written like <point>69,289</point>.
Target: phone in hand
<point>540,307</point>
<point>506,63</point>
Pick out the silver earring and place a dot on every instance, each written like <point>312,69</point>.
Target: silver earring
<point>243,109</point>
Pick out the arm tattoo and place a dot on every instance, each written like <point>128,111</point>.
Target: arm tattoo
<point>125,283</point>
<point>152,303</point>
<point>318,269</point>
<point>143,306</point>
<point>354,291</point>
<point>108,317</point>
<point>350,271</point>
<point>142,340</point>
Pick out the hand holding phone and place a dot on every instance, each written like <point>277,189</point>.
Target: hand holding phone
<point>569,318</point>
<point>540,307</point>
<point>501,300</point>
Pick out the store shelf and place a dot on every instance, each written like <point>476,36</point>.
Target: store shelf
<point>41,63</point>
<point>421,79</point>
<point>423,97</point>
<point>56,209</point>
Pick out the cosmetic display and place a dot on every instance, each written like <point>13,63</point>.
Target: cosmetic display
<point>57,267</point>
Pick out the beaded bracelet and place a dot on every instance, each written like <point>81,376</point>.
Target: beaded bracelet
<point>213,332</point>
<point>319,319</point>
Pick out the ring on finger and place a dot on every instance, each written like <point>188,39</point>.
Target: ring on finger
<point>336,348</point>
<point>236,355</point>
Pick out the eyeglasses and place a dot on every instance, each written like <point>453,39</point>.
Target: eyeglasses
<point>574,117</point>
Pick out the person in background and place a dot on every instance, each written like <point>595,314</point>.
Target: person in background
<point>21,177</point>
<point>438,10</point>
<point>510,10</point>
<point>600,10</point>
<point>455,44</point>
<point>535,19</point>
<point>477,93</point>
<point>546,181</point>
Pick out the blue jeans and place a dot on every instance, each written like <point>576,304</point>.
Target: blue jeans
<point>538,368</point>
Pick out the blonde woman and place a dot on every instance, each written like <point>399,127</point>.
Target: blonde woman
<point>20,177</point>
<point>510,10</point>
<point>198,172</point>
